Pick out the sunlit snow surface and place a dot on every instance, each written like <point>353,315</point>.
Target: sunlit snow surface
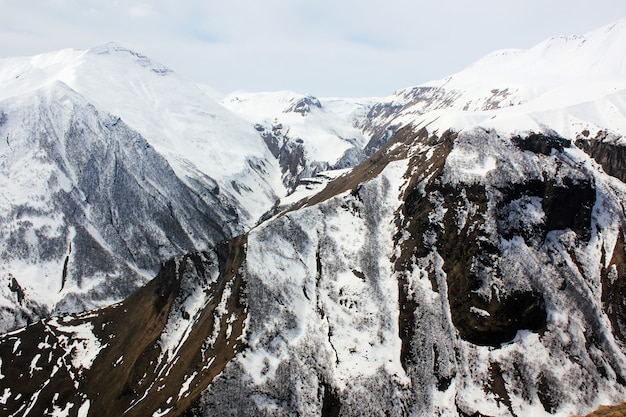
<point>326,131</point>
<point>322,284</point>
<point>108,128</point>
<point>564,84</point>
<point>195,134</point>
<point>175,115</point>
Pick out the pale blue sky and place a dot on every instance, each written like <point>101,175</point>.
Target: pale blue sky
<point>321,47</point>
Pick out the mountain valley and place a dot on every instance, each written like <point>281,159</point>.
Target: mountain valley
<point>454,249</point>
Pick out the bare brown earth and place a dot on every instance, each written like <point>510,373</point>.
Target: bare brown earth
<point>130,331</point>
<point>609,411</point>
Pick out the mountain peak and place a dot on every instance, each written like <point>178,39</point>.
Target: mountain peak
<point>617,26</point>
<point>560,59</point>
<point>473,264</point>
<point>114,48</point>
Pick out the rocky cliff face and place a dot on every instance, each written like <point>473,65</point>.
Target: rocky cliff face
<point>439,286</point>
<point>150,355</point>
<point>473,265</point>
<point>422,283</point>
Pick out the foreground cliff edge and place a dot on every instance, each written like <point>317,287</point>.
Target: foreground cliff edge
<point>153,353</point>
<point>449,274</point>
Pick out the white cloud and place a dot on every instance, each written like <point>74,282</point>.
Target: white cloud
<point>324,47</point>
<point>141,11</point>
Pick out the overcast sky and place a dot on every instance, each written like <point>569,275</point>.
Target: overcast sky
<point>321,47</point>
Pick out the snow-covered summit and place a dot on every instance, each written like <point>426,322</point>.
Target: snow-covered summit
<point>598,53</point>
<point>111,164</point>
<point>558,61</point>
<point>570,83</point>
<point>176,116</point>
<point>142,60</point>
<point>326,133</point>
<point>198,136</point>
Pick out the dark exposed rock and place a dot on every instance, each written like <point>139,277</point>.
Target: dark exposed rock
<point>569,206</point>
<point>614,289</point>
<point>542,144</point>
<point>566,205</point>
<point>483,319</point>
<point>132,374</point>
<point>15,287</point>
<point>304,105</point>
<point>548,392</point>
<point>291,157</point>
<point>498,386</point>
<point>611,156</point>
<point>507,315</point>
<point>331,406</point>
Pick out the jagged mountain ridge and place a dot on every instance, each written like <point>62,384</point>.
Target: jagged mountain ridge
<point>306,134</point>
<point>92,208</point>
<point>471,271</point>
<point>569,84</point>
<point>111,164</point>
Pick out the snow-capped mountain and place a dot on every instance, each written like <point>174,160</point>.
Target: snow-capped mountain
<point>306,134</point>
<point>193,132</point>
<point>111,164</point>
<point>473,265</point>
<point>570,84</point>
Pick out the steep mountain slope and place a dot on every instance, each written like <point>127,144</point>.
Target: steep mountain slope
<point>568,84</point>
<point>193,132</point>
<point>438,288</point>
<point>363,302</point>
<point>474,265</point>
<point>111,164</point>
<point>132,358</point>
<point>306,134</point>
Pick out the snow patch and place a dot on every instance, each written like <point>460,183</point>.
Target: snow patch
<point>61,412</point>
<point>83,410</point>
<point>81,341</point>
<point>184,389</point>
<point>6,394</point>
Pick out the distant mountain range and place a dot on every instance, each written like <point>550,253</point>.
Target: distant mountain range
<point>454,249</point>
